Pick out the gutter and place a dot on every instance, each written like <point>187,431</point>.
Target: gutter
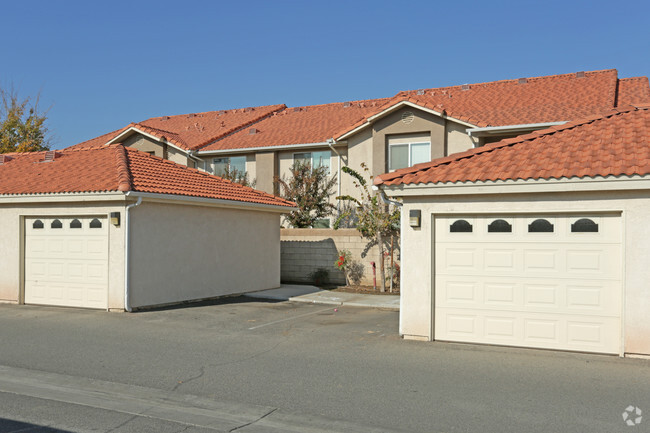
<point>127,304</point>
<point>480,132</point>
<point>263,148</point>
<point>331,142</point>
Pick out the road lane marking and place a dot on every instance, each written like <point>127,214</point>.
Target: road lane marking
<point>290,318</point>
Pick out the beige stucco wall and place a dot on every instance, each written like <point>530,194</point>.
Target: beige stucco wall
<point>417,277</point>
<point>184,252</point>
<point>11,219</point>
<point>144,144</point>
<point>457,138</point>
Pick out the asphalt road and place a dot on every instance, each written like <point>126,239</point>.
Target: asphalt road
<point>304,363</point>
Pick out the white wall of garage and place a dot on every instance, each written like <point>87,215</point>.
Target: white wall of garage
<point>11,244</point>
<point>183,252</point>
<point>634,206</point>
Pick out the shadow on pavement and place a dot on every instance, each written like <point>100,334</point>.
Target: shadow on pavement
<point>11,426</point>
<point>235,299</point>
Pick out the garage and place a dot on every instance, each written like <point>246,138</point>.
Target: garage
<point>538,241</point>
<point>116,229</point>
<point>66,261</point>
<point>547,281</point>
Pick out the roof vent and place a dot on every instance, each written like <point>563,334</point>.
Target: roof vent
<point>464,87</point>
<point>522,80</point>
<point>407,117</point>
<point>346,104</point>
<point>420,92</point>
<point>50,155</point>
<point>296,109</point>
<point>580,74</point>
<point>247,109</point>
<point>164,118</point>
<point>5,158</point>
<point>191,115</point>
<point>253,131</point>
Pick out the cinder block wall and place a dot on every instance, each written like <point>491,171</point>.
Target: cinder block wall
<point>303,251</point>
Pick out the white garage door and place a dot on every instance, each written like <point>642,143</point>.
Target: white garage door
<point>66,261</point>
<point>545,281</point>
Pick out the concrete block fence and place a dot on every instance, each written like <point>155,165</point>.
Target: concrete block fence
<point>303,251</point>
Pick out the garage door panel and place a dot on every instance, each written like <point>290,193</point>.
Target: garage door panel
<point>552,290</point>
<point>66,266</point>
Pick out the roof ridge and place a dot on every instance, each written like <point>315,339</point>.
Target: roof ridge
<point>211,111</point>
<point>352,101</point>
<point>203,173</point>
<point>498,82</point>
<point>124,177</point>
<point>508,142</point>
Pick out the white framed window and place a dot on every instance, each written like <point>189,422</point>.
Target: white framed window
<point>233,162</point>
<point>406,154</point>
<point>315,159</point>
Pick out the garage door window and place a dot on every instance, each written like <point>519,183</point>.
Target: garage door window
<point>584,225</point>
<point>38,224</point>
<point>95,224</point>
<point>75,224</point>
<point>499,226</point>
<point>56,224</point>
<point>460,226</point>
<point>540,226</point>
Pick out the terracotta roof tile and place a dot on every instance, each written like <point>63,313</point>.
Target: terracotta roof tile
<point>614,144</point>
<point>192,131</point>
<point>299,125</point>
<point>635,90</point>
<point>119,168</point>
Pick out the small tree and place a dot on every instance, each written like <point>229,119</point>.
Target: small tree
<point>22,127</point>
<point>374,219</point>
<point>310,189</point>
<point>237,176</point>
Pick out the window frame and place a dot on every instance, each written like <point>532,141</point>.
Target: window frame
<point>410,144</point>
<point>311,158</point>
<point>228,163</point>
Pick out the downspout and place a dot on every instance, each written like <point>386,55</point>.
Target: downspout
<point>127,305</point>
<point>330,143</point>
<point>385,199</point>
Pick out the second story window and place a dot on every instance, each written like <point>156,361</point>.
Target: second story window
<point>407,151</point>
<point>219,165</point>
<point>316,159</point>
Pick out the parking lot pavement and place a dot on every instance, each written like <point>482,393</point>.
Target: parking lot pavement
<point>340,363</point>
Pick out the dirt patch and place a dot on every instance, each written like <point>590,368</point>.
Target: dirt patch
<point>366,290</point>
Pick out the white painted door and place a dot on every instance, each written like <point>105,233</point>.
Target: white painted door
<point>66,261</point>
<point>544,281</point>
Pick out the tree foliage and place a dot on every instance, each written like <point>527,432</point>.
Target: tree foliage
<point>22,126</point>
<point>310,188</point>
<point>374,219</point>
<point>237,176</point>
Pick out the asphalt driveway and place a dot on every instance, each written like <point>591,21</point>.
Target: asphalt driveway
<point>345,363</point>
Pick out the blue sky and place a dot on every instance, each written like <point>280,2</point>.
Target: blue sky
<point>101,65</point>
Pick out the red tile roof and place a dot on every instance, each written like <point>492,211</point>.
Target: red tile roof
<point>635,90</point>
<point>119,168</point>
<point>614,144</point>
<point>553,98</point>
<point>299,125</point>
<point>192,131</point>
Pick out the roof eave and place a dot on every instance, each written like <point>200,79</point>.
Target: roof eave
<point>206,201</point>
<point>395,107</point>
<point>491,130</point>
<point>530,186</point>
<point>265,148</point>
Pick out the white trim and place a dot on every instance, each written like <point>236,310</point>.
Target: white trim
<point>396,107</point>
<point>257,149</point>
<point>482,132</point>
<point>153,137</point>
<point>62,197</point>
<point>609,183</point>
<point>204,201</point>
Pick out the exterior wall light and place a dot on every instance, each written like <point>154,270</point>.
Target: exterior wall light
<point>115,219</point>
<point>415,217</point>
